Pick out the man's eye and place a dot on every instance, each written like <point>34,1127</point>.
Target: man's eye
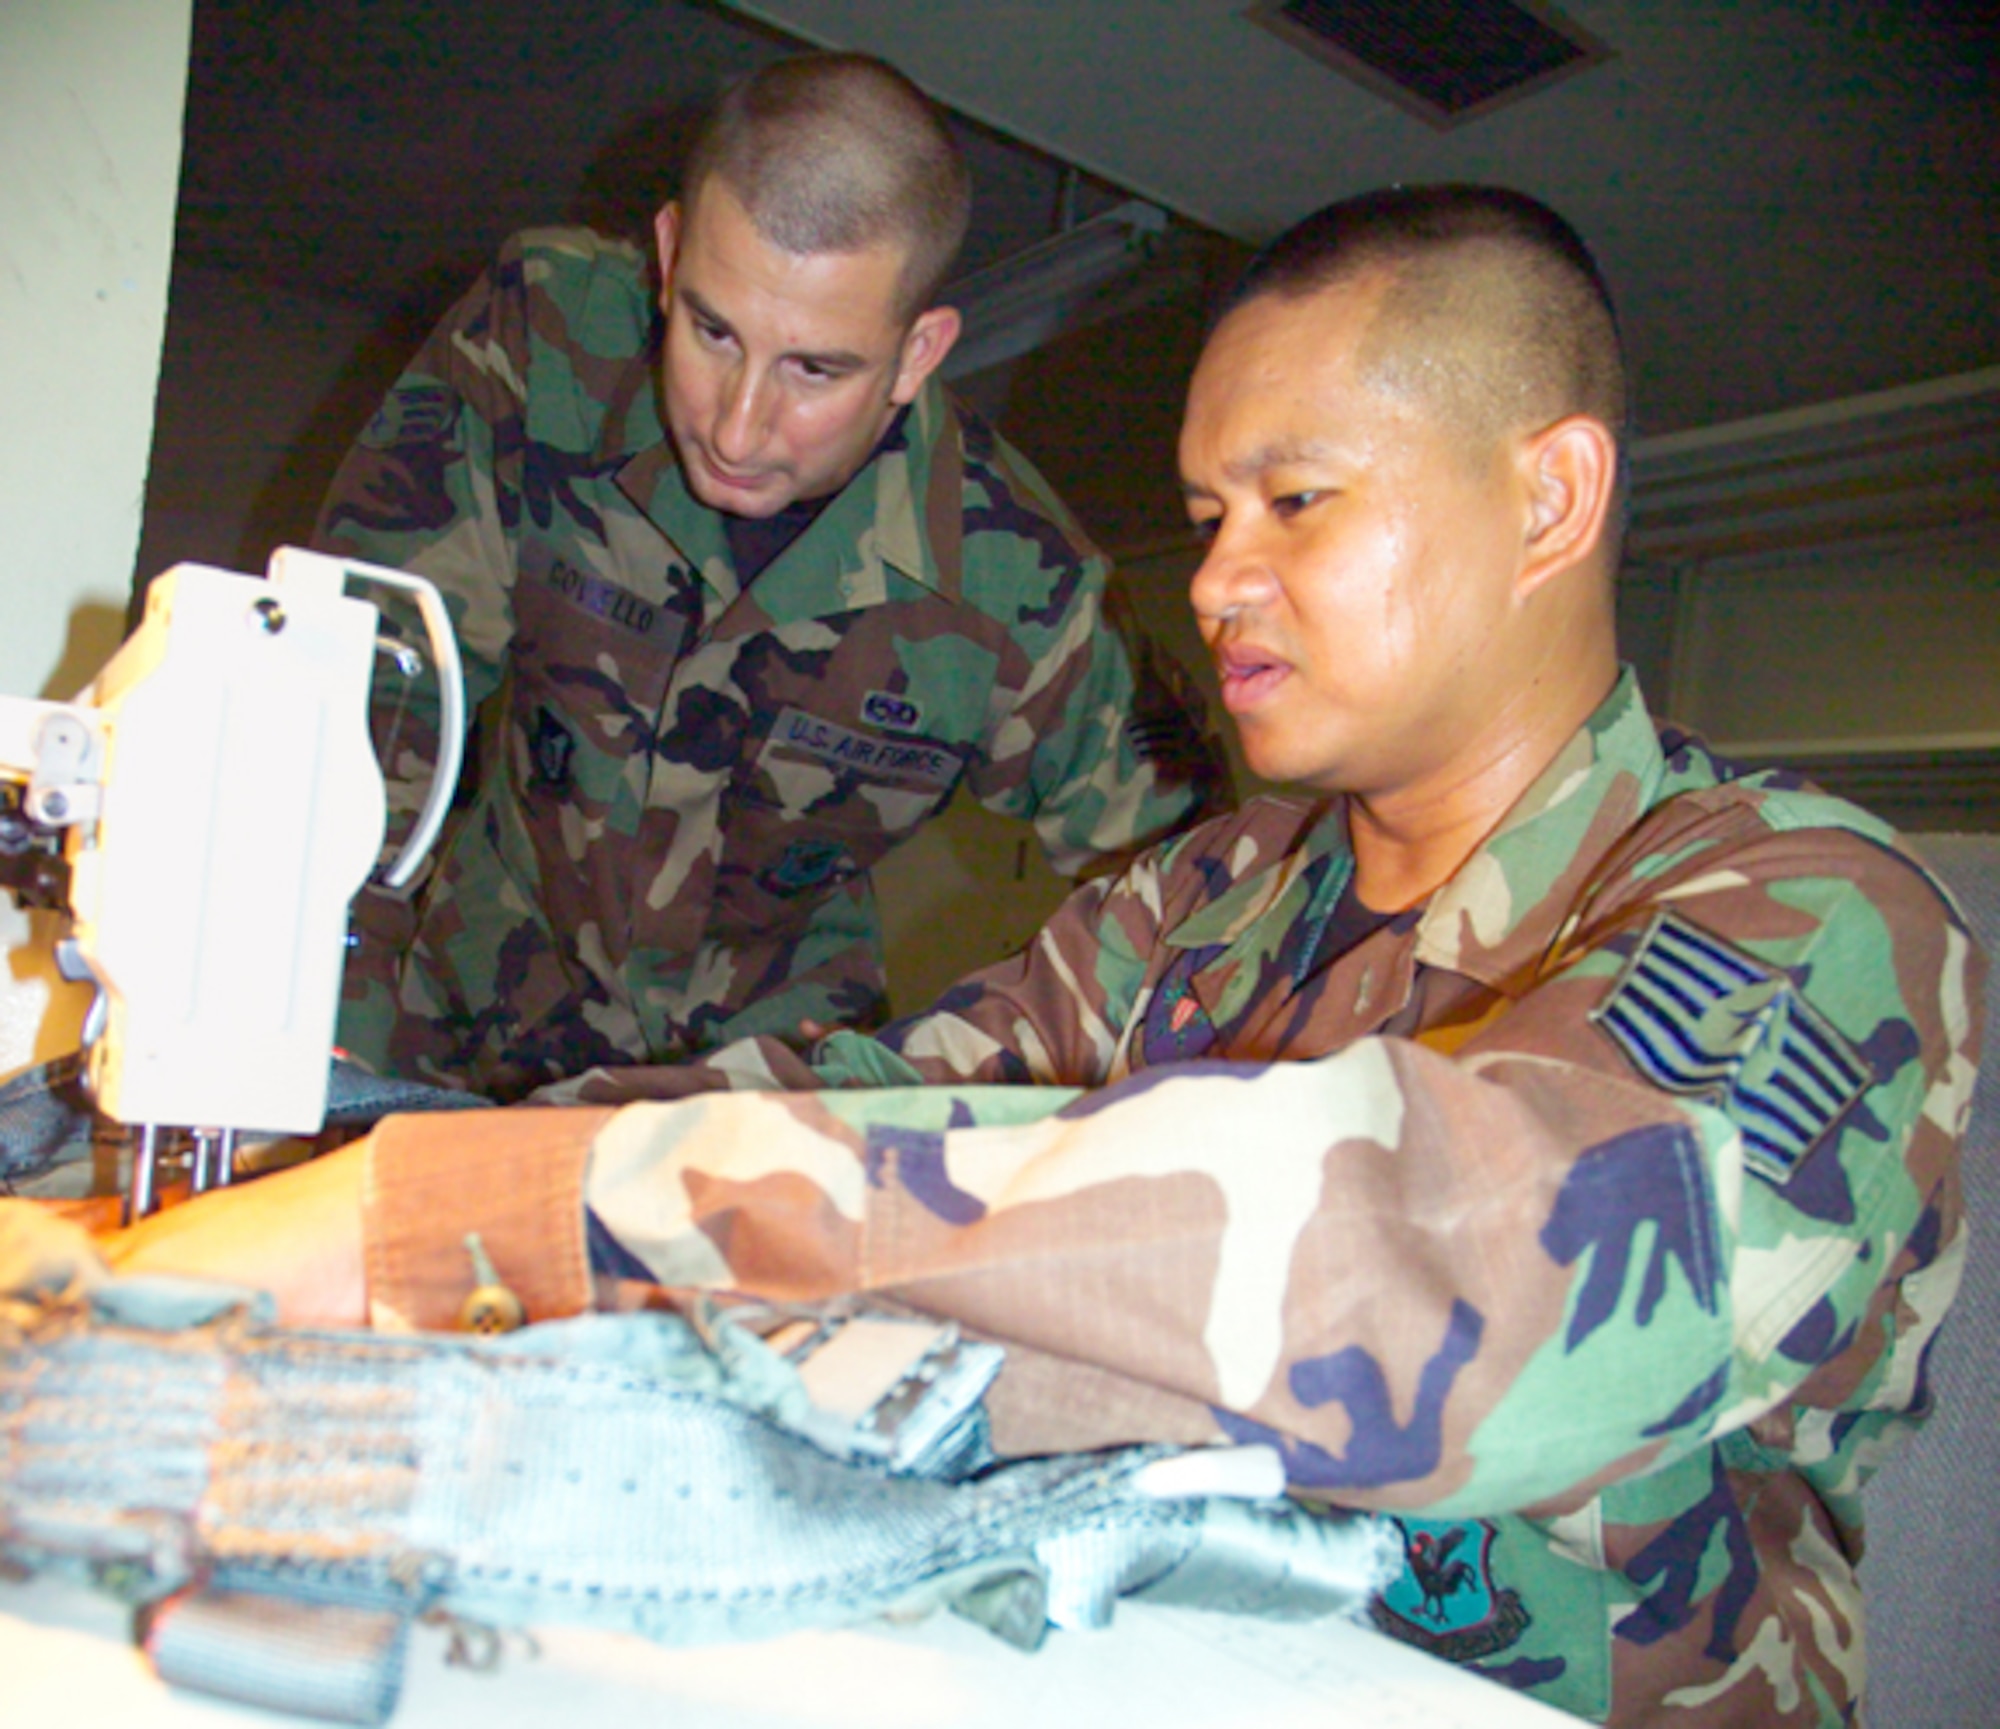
<point>1205,530</point>
<point>1291,503</point>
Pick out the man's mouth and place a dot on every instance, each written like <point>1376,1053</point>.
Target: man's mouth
<point>1249,676</point>
<point>737,480</point>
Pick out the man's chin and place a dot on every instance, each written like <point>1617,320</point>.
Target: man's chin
<point>752,495</point>
<point>752,502</point>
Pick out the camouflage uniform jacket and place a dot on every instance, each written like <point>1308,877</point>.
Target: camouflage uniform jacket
<point>1592,1218</point>
<point>682,780</point>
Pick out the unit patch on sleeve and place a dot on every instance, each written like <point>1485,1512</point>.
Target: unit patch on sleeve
<point>1698,1016</point>
<point>1447,1600</point>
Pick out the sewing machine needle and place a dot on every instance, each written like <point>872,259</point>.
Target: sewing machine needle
<point>145,1172</point>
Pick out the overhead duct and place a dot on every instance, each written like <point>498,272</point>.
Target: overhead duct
<point>1445,61</point>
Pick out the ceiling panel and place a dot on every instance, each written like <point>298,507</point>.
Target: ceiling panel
<point>1794,202</point>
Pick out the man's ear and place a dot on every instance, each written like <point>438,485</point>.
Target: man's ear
<point>924,349</point>
<point>1570,471</point>
<point>667,235</point>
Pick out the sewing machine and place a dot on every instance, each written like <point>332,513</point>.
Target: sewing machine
<point>204,812</point>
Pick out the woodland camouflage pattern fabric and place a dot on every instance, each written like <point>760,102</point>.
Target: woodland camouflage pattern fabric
<point>681,782</point>
<point>1592,1218</point>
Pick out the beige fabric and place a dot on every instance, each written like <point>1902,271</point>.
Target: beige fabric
<point>514,1176</point>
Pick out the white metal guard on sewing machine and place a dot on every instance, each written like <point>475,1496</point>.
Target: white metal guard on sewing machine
<point>220,805</point>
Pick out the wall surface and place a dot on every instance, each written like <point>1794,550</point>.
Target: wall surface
<point>91,95</point>
<point>1886,643</point>
<point>262,391</point>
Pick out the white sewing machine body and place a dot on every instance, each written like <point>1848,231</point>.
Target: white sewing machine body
<point>222,806</point>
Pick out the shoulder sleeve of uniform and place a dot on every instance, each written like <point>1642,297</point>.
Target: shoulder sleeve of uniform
<point>1105,743</point>
<point>1059,1012</point>
<point>1750,1062</point>
<point>426,488</point>
<point>1018,494</point>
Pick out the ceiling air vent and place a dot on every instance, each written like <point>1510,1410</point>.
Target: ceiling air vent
<point>1445,61</point>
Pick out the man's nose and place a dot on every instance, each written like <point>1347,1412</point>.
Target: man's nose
<point>1232,577</point>
<point>742,416</point>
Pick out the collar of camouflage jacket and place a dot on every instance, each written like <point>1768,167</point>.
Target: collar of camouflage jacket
<point>899,521</point>
<point>1503,906</point>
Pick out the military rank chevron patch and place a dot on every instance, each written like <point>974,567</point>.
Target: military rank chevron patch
<point>1698,1016</point>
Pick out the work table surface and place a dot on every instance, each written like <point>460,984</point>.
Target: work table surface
<point>68,1658</point>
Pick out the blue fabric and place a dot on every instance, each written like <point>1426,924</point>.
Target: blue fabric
<point>633,1472</point>
<point>47,1119</point>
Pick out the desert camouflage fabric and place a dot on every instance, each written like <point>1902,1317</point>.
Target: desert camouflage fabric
<point>1591,1218</point>
<point>680,781</point>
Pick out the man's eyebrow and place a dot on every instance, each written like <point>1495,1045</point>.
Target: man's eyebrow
<point>829,360</point>
<point>702,310</point>
<point>1267,457</point>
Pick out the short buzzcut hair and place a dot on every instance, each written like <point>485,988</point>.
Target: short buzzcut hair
<point>1493,309</point>
<point>838,153</point>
